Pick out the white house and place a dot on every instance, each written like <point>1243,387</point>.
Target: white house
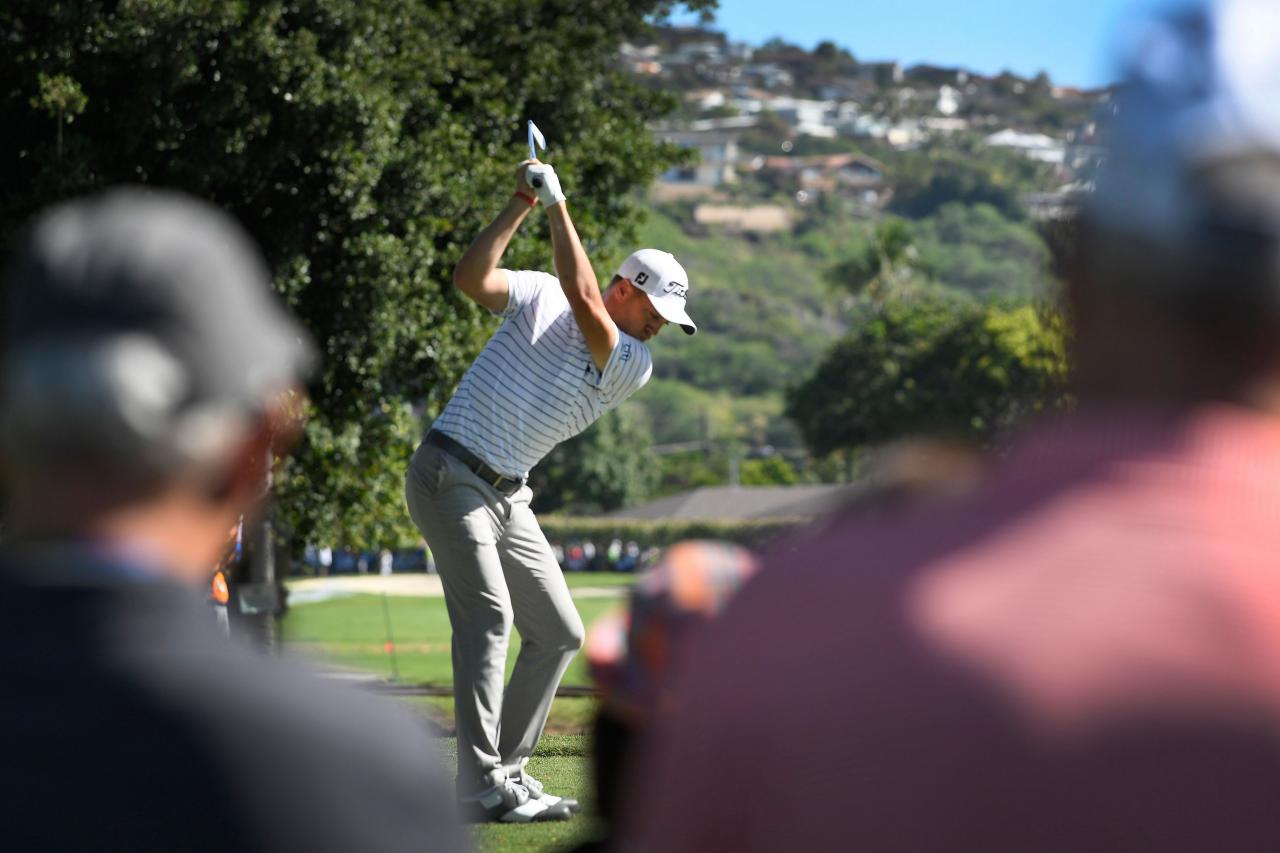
<point>706,99</point>
<point>948,101</point>
<point>717,150</point>
<point>1037,146</point>
<point>806,117</point>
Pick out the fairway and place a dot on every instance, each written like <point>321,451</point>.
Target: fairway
<point>352,632</point>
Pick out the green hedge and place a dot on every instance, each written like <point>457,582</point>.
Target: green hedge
<point>750,534</point>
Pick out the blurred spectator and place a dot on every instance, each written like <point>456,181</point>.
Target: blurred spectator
<point>633,655</point>
<point>630,557</point>
<point>1081,654</point>
<point>145,372</point>
<point>386,562</point>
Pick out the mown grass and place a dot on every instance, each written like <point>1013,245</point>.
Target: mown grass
<point>350,632</point>
<point>560,763</point>
<point>354,632</point>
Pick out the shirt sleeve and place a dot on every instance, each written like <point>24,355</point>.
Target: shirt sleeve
<point>524,288</point>
<point>629,367</point>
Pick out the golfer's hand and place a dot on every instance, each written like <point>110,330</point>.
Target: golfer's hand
<point>522,183</point>
<point>543,180</point>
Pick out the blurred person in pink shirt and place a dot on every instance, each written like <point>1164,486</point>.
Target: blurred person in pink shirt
<point>1083,654</point>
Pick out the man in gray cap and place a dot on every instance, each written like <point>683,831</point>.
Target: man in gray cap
<point>145,377</point>
<point>1083,653</point>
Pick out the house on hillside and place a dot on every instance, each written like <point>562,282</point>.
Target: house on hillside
<point>948,102</point>
<point>880,73</point>
<point>717,156</point>
<point>936,75</point>
<point>641,59</point>
<point>849,175</point>
<point>1037,146</point>
<point>944,126</point>
<point>806,117</point>
<point>906,134</point>
<point>705,99</point>
<point>769,75</point>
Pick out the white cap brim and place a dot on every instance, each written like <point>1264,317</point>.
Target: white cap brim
<point>673,311</point>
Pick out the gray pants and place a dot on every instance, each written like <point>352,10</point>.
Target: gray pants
<point>497,570</point>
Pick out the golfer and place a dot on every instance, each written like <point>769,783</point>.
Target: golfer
<point>564,355</point>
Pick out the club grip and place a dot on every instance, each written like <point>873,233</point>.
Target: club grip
<point>536,183</point>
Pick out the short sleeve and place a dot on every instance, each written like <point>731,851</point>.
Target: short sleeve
<point>523,289</point>
<point>629,367</point>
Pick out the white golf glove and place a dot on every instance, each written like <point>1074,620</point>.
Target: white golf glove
<point>544,180</point>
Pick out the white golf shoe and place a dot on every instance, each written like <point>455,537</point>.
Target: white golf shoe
<point>510,802</point>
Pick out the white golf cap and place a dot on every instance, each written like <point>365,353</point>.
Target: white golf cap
<point>666,283</point>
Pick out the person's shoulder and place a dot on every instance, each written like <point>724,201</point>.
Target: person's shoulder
<point>286,701</point>
<point>532,281</point>
<point>376,763</point>
<point>633,349</point>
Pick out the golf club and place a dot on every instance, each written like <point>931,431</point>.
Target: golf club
<point>536,141</point>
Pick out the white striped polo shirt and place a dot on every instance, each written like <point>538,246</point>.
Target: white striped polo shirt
<point>535,384</point>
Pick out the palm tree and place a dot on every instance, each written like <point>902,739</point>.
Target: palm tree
<point>881,266</point>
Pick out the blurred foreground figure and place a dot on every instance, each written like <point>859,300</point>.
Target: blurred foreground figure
<point>143,375</point>
<point>1084,654</point>
<point>633,657</point>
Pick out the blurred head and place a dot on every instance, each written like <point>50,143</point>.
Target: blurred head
<point>634,655</point>
<point>649,291</point>
<point>146,371</point>
<point>1175,276</point>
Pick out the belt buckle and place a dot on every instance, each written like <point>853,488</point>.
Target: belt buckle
<point>497,482</point>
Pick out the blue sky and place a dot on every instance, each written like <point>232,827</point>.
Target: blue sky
<point>1067,38</point>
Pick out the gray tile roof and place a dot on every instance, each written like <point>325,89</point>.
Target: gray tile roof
<point>740,503</point>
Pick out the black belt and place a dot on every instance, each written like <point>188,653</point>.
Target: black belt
<point>504,484</point>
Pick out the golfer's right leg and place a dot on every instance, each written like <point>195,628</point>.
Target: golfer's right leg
<point>461,529</point>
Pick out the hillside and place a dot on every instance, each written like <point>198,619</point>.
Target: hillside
<point>765,316</point>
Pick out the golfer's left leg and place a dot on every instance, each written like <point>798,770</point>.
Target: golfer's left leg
<point>550,629</point>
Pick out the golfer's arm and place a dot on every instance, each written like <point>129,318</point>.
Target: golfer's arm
<point>578,280</point>
<point>477,274</point>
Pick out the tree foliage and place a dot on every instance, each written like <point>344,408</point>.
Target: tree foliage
<point>967,172</point>
<point>880,266</point>
<point>363,145</point>
<point>604,468</point>
<point>975,249</point>
<point>935,363</point>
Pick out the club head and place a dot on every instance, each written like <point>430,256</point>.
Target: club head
<point>536,142</point>
<point>535,139</point>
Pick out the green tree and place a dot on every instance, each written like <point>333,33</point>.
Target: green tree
<point>976,249</point>
<point>606,467</point>
<point>363,145</point>
<point>883,265</point>
<point>63,99</point>
<point>935,363</point>
<point>768,471</point>
<point>969,172</point>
